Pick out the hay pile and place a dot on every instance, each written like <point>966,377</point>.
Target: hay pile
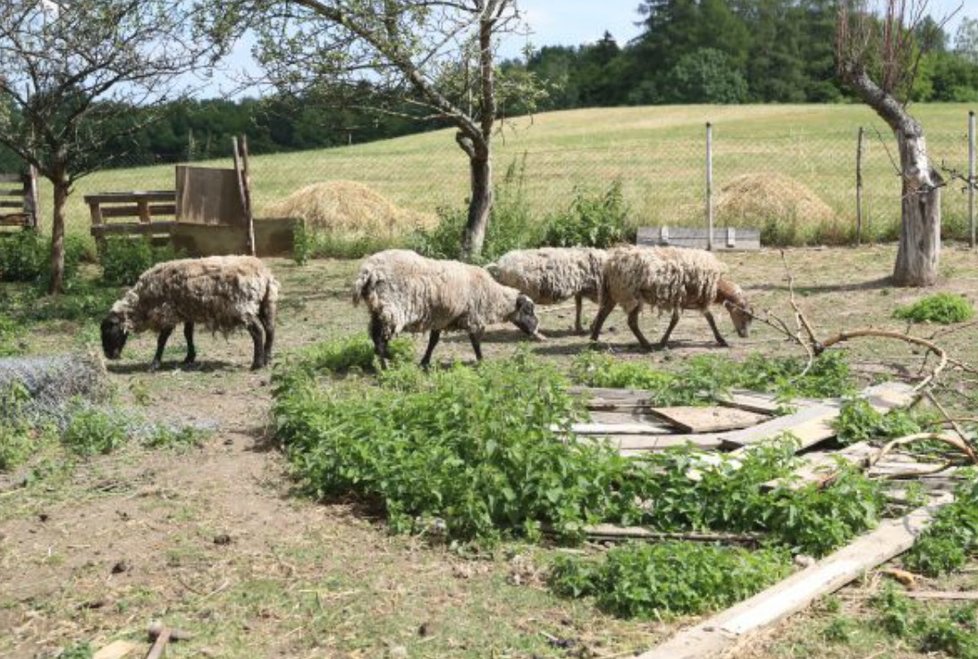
<point>769,196</point>
<point>349,209</point>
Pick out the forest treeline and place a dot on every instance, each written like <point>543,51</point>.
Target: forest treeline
<point>688,51</point>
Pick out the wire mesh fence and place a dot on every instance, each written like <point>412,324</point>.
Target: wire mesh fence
<point>787,174</point>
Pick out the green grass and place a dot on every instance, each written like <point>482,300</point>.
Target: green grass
<point>657,152</point>
<point>942,308</point>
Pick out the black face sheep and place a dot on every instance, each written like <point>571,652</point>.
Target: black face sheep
<point>669,279</point>
<point>405,291</point>
<point>222,293</point>
<point>553,274</point>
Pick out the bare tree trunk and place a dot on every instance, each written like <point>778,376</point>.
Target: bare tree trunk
<point>480,206</point>
<point>61,191</point>
<point>920,232</point>
<point>920,229</point>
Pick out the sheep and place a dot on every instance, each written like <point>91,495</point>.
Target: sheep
<point>406,291</point>
<point>669,279</point>
<point>220,292</point>
<point>553,274</point>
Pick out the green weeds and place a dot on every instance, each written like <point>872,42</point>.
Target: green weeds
<point>953,631</point>
<point>858,421</point>
<point>943,308</point>
<point>124,258</point>
<point>593,220</point>
<point>951,538</point>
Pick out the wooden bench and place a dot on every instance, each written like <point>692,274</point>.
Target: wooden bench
<point>724,239</point>
<point>18,200</point>
<point>146,206</point>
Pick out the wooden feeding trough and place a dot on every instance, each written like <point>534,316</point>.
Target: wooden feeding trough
<point>208,213</point>
<point>18,200</point>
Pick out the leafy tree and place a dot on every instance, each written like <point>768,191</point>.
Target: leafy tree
<point>70,73</point>
<point>430,61</point>
<point>705,76</point>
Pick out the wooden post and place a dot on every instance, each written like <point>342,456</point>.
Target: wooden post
<point>32,198</point>
<point>709,186</point>
<point>971,175</point>
<point>240,167</point>
<point>859,186</point>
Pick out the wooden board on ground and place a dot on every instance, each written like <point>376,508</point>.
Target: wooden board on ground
<point>813,424</point>
<point>822,468</point>
<point>709,419</point>
<point>721,633</point>
<point>638,444</point>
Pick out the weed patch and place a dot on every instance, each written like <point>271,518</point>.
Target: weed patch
<point>593,220</point>
<point>858,421</point>
<point>663,580</point>
<point>701,379</point>
<point>123,259</point>
<point>942,308</point>
<point>953,631</point>
<point>93,431</point>
<point>951,538</point>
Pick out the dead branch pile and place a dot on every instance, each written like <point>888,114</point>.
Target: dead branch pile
<point>45,385</point>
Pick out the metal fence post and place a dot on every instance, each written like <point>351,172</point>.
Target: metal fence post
<point>709,186</point>
<point>971,175</point>
<point>859,186</point>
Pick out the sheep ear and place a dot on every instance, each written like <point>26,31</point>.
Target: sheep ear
<point>523,301</point>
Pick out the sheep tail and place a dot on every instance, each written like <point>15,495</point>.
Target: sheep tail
<point>363,285</point>
<point>269,303</point>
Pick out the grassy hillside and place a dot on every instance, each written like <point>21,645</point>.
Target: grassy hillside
<point>657,152</point>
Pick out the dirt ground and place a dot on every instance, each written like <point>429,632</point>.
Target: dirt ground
<point>211,539</point>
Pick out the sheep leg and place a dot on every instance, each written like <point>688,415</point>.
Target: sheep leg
<point>160,345</point>
<point>269,326</point>
<point>664,341</point>
<point>633,325</point>
<point>604,310</point>
<point>188,334</point>
<point>578,327</point>
<point>258,338</point>
<point>476,346</point>
<point>432,342</point>
<point>379,338</point>
<point>716,333</point>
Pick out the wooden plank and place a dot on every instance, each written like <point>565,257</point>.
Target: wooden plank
<point>131,197</point>
<point>18,192</point>
<point>12,204</point>
<point>822,468</point>
<point>751,401</point>
<point>637,444</point>
<point>15,220</point>
<point>634,415</point>
<point>137,210</point>
<point>723,239</point>
<point>721,633</point>
<point>32,198</point>
<point>613,531</point>
<point>633,428</point>
<point>246,191</point>
<point>132,228</point>
<point>708,419</point>
<point>11,178</point>
<point>118,650</point>
<point>813,424</point>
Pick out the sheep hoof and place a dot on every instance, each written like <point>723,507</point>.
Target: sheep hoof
<point>256,366</point>
<point>155,366</point>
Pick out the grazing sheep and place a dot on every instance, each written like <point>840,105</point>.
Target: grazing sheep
<point>405,291</point>
<point>220,292</point>
<point>669,279</point>
<point>553,274</point>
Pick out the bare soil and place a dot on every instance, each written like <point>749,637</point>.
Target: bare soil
<point>212,540</point>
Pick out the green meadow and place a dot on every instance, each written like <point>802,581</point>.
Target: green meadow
<point>658,153</point>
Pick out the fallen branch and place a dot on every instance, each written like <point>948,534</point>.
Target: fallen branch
<point>889,334</point>
<point>956,442</point>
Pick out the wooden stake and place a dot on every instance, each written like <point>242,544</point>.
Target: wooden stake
<point>859,186</point>
<point>709,186</point>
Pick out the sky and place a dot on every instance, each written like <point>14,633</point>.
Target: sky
<point>572,23</point>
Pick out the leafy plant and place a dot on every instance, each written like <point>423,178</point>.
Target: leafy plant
<point>858,421</point>
<point>951,538</point>
<point>593,220</point>
<point>124,259</point>
<point>25,256</point>
<point>639,580</point>
<point>943,308</point>
<point>92,431</point>
<point>840,629</point>
<point>17,436</point>
<point>10,337</point>
<point>704,377</point>
<point>952,631</point>
<point>175,437</point>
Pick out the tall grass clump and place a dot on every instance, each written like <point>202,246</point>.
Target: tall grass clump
<point>592,220</point>
<point>124,258</point>
<point>942,308</point>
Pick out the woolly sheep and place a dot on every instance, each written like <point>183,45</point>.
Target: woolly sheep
<point>221,292</point>
<point>669,279</point>
<point>405,291</point>
<point>553,274</point>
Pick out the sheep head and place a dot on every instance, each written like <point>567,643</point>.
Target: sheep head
<point>732,297</point>
<point>524,316</point>
<point>115,331</point>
